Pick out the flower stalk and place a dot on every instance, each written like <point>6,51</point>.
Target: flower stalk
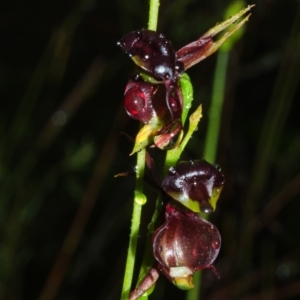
<point>139,198</point>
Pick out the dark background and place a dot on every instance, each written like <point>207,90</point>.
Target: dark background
<point>65,219</point>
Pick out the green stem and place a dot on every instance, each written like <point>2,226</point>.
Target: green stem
<point>212,137</point>
<point>138,201</point>
<point>215,111</point>
<point>139,197</point>
<point>153,14</point>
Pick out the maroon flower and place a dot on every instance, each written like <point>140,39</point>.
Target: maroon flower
<point>145,102</point>
<point>195,184</point>
<point>184,244</point>
<point>159,63</point>
<point>155,56</point>
<point>153,53</point>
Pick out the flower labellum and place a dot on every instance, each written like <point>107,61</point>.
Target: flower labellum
<point>195,184</point>
<point>153,53</point>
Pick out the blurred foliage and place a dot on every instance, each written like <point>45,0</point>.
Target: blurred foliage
<point>65,219</point>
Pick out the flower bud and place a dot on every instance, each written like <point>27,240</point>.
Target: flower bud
<point>184,244</point>
<point>169,136</point>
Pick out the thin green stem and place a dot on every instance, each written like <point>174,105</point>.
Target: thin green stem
<point>153,14</point>
<point>215,116</point>
<point>139,197</point>
<point>138,201</point>
<point>212,137</point>
<point>215,111</point>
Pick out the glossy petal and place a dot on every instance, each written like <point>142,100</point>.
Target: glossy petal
<point>195,184</point>
<point>138,100</point>
<point>152,52</point>
<point>159,110</point>
<point>184,244</point>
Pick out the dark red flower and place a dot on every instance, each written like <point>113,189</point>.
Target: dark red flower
<point>159,63</point>
<point>155,56</point>
<point>161,114</point>
<point>153,53</point>
<point>195,184</point>
<point>184,244</point>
